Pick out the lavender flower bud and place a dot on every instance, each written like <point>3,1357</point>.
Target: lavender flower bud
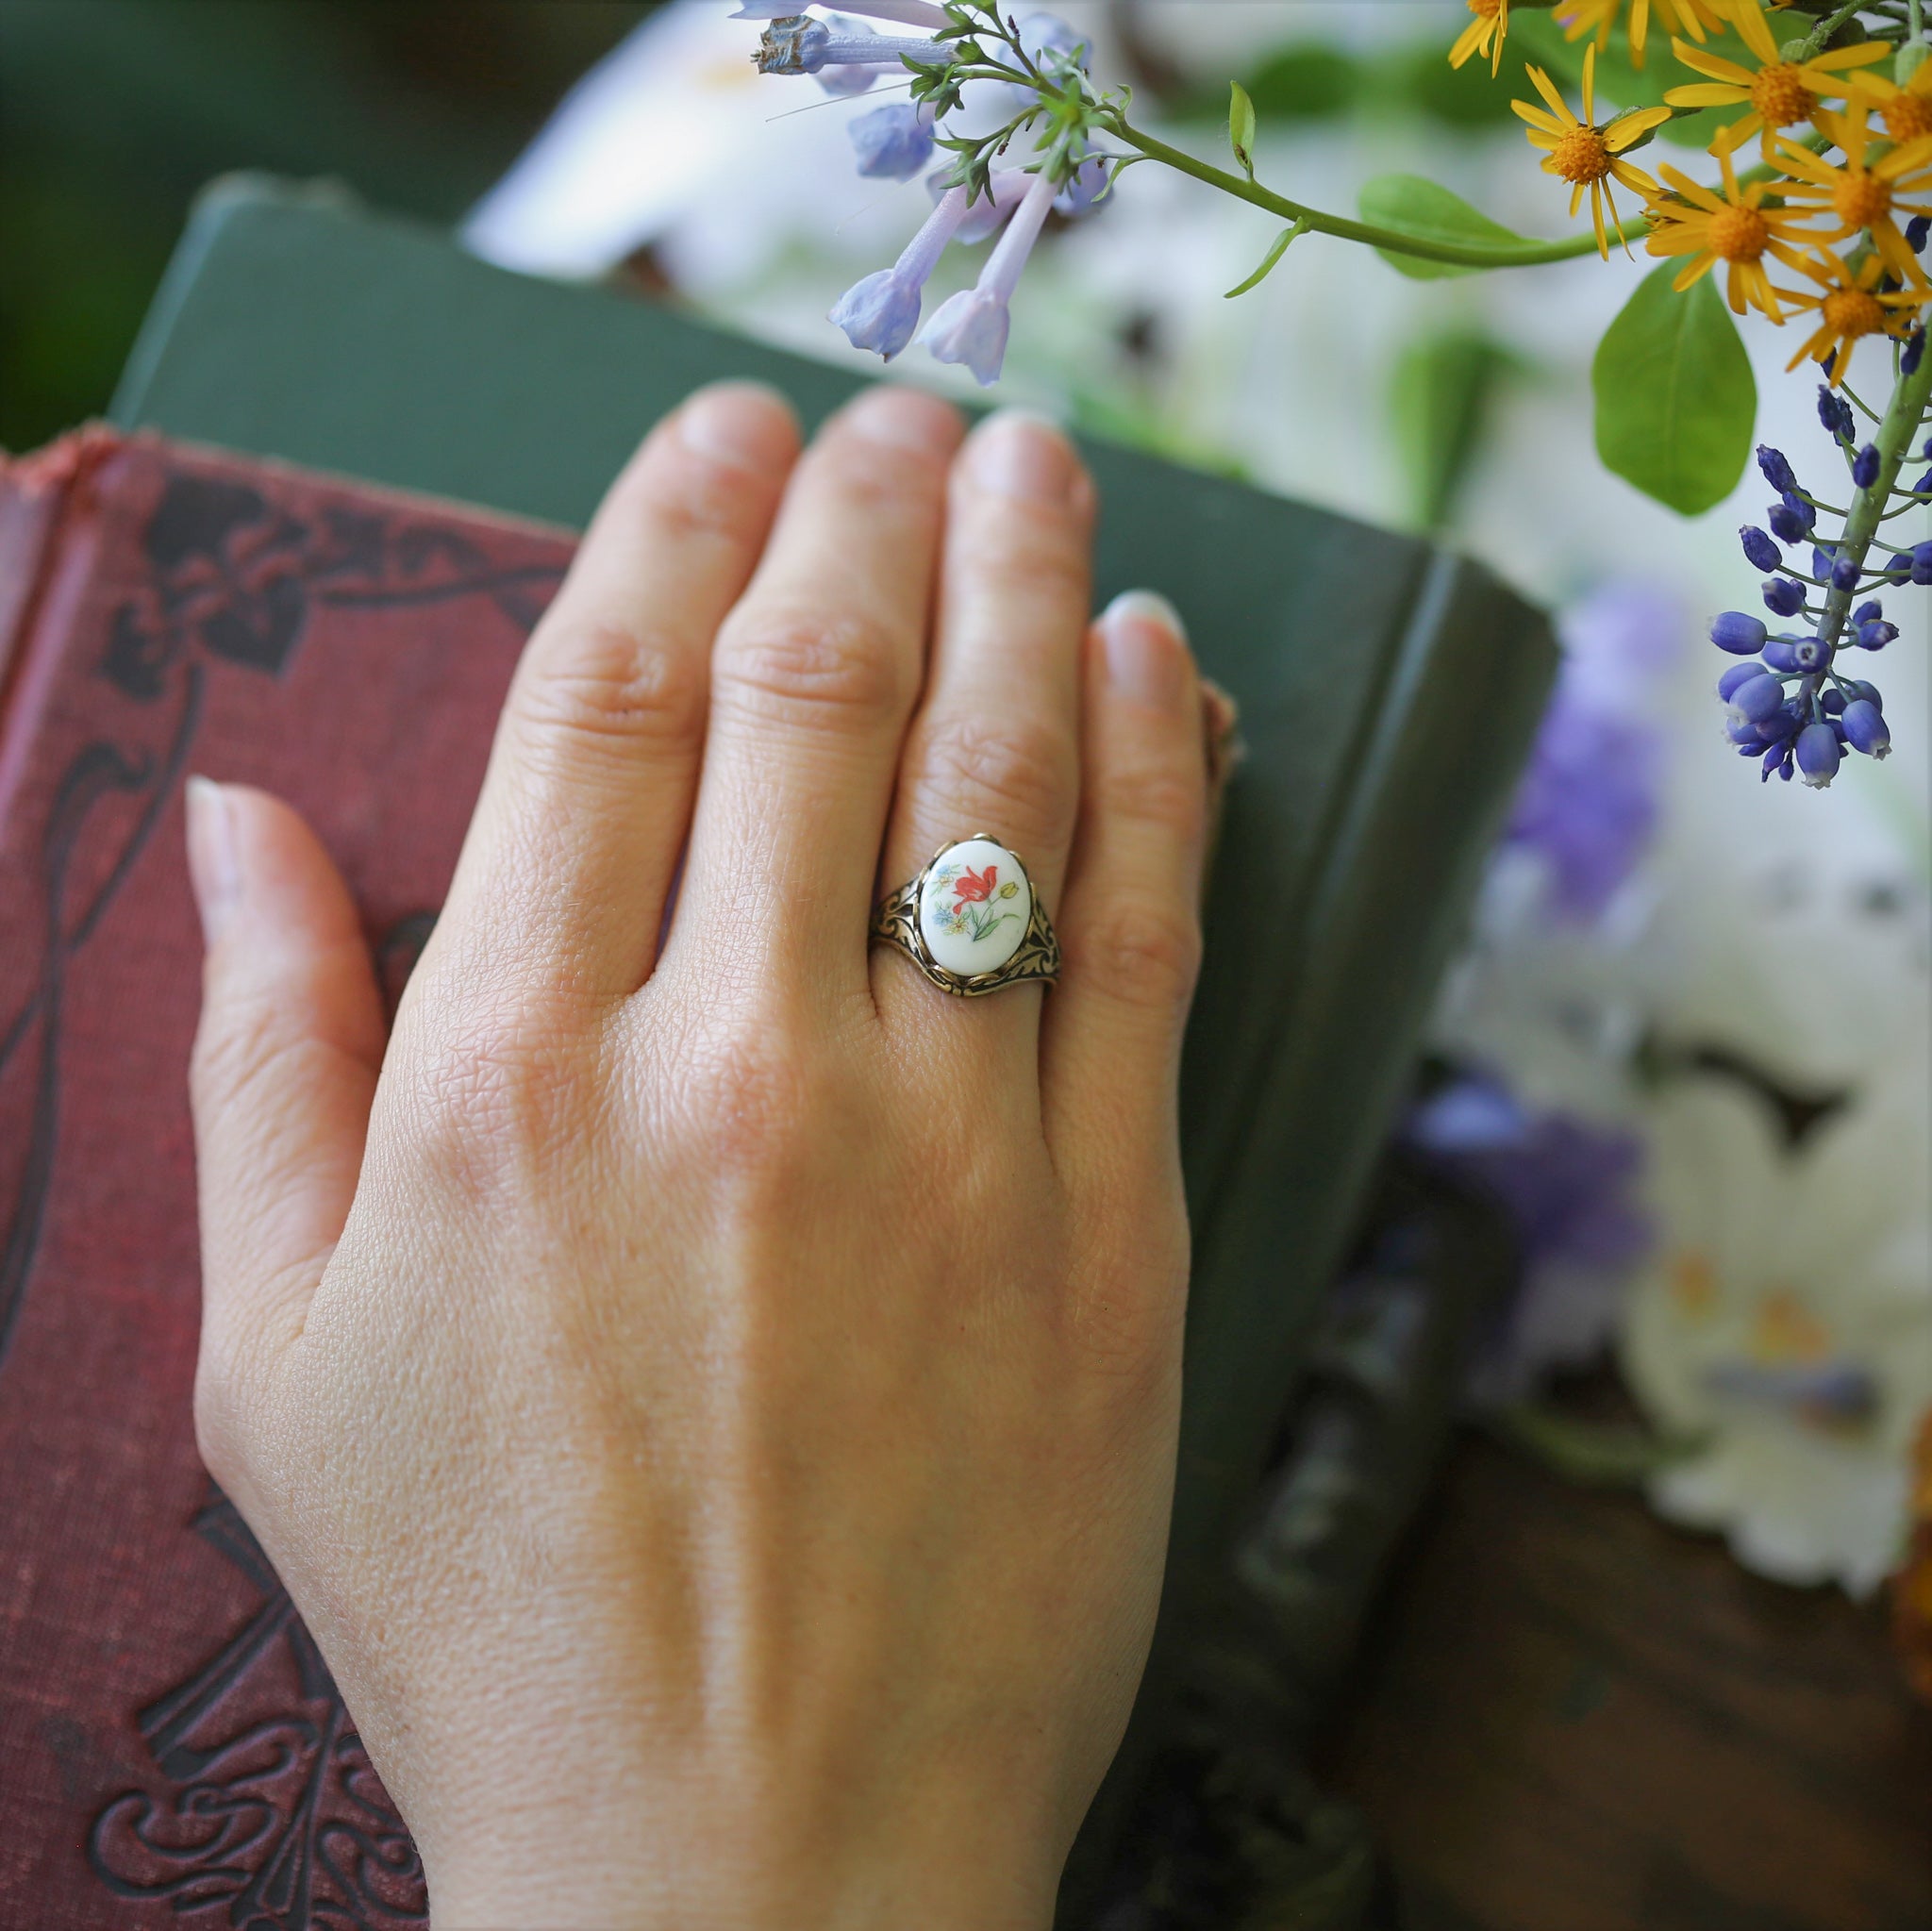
<point>1759,551</point>
<point>1865,467</point>
<point>1741,734</point>
<point>894,141</point>
<point>1924,486</point>
<point>1737,673</point>
<point>1844,573</point>
<point>1865,730</point>
<point>1741,635</point>
<point>1822,557</point>
<point>1835,412</point>
<point>1915,342</point>
<point>1833,704</point>
<point>1922,564</point>
<point>1049,39</point>
<point>974,326</point>
<point>1788,524</point>
<point>880,313</point>
<point>1868,613</point>
<point>1918,231</point>
<point>1875,636</point>
<point>1778,759</point>
<point>1755,699</point>
<point>1779,726</point>
<point>1819,756</point>
<point>1855,690</point>
<point>1805,654</point>
<point>1783,596</point>
<point>1777,471</point>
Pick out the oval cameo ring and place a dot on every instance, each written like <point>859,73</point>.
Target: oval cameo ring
<point>971,921</point>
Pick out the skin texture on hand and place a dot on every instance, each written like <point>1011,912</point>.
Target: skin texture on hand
<point>716,1409</point>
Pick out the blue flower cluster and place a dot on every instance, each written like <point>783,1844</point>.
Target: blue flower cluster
<point>1793,707</point>
<point>896,142</point>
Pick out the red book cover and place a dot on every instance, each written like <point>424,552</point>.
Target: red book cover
<point>171,1749</point>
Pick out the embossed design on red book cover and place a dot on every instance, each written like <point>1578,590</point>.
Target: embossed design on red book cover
<point>172,1748</point>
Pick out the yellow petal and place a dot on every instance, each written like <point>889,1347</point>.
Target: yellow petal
<point>1629,128</point>
<point>1541,81</point>
<point>1536,118</point>
<point>1860,56</point>
<point>1706,94</point>
<point>1589,87</point>
<point>1694,191</point>
<point>1747,16</point>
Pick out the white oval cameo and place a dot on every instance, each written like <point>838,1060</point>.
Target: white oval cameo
<point>975,907</point>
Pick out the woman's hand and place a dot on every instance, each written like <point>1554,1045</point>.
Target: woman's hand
<point>716,1409</point>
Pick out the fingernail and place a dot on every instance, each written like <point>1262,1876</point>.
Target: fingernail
<point>742,424</point>
<point>1146,648</point>
<point>1019,454</point>
<point>904,419</point>
<point>213,866</point>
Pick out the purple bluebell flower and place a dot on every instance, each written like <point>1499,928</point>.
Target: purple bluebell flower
<point>1924,486</point>
<point>1006,190</point>
<point>1737,673</point>
<point>1865,467</point>
<point>1855,690</point>
<point>1741,635</point>
<point>1780,725</point>
<point>1778,759</point>
<point>1915,344</point>
<point>1790,521</point>
<point>973,328</point>
<point>1567,1186</point>
<point>1776,469</point>
<point>1868,613</point>
<point>1865,730</point>
<point>881,313</point>
<point>1759,551</point>
<point>1876,635</point>
<point>845,54</point>
<point>1784,596</point>
<point>1819,756</point>
<point>1844,573</point>
<point>894,141</point>
<point>905,12</point>
<point>1046,37</point>
<point>1917,231</point>
<point>1085,189</point>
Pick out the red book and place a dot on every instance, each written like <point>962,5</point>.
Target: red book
<point>172,1748</point>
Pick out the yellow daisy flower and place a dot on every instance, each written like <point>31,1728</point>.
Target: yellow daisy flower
<point>1906,110</point>
<point>1580,17</point>
<point>1485,34</point>
<point>1850,306</point>
<point>1582,153</point>
<point>1860,198</point>
<point>1781,93</point>
<point>1735,228</point>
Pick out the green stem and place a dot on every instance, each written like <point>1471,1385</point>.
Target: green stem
<point>1895,437</point>
<point>1815,40</point>
<point>1459,254</point>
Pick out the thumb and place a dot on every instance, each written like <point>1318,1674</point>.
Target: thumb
<point>283,1074</point>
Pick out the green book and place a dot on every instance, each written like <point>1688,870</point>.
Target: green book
<point>1389,694</point>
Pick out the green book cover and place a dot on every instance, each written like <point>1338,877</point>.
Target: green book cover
<point>1388,695</point>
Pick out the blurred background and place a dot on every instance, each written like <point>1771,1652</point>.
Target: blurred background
<point>1637,1656</point>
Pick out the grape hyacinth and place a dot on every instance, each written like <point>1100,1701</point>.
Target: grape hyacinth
<point>1793,707</point>
<point>1036,65</point>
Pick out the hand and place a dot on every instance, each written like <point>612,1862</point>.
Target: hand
<point>716,1409</point>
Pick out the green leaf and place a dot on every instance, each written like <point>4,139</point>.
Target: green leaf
<point>1414,206</point>
<point>1675,399</point>
<point>1241,128</point>
<point>1268,261</point>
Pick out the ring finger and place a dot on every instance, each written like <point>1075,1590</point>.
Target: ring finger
<point>995,745</point>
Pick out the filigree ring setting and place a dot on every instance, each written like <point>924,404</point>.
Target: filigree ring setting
<point>971,921</point>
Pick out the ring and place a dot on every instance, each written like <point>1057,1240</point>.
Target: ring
<point>971,921</point>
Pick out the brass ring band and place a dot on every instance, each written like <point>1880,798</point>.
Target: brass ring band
<point>903,918</point>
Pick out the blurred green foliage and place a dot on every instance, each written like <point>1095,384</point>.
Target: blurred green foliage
<point>114,112</point>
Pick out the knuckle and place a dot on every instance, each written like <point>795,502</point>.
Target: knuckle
<point>697,500</point>
<point>843,671</point>
<point>1021,772</point>
<point>755,1090</point>
<point>1148,954</point>
<point>613,681</point>
<point>1037,553</point>
<point>1169,794</point>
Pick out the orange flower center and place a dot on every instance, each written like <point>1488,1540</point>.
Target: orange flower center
<point>1740,234</point>
<point>1861,199</point>
<point>1580,155</point>
<point>1851,312</point>
<point>1779,95</point>
<point>1907,116</point>
<point>1486,9</point>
